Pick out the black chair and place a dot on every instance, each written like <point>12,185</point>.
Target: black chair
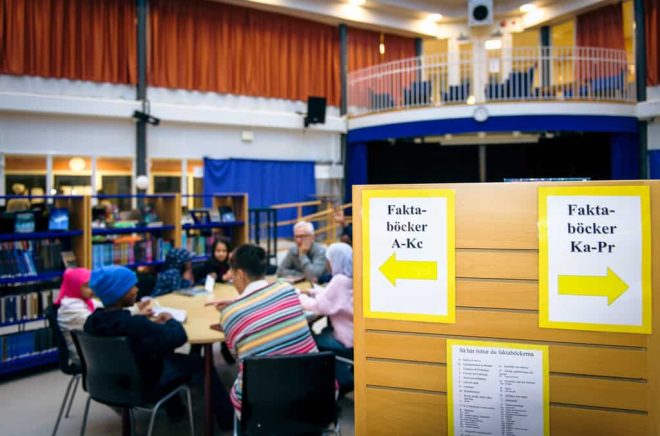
<point>289,395</point>
<point>75,371</point>
<point>111,376</point>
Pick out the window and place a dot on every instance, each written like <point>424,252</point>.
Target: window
<point>30,182</point>
<point>167,184</point>
<point>113,185</point>
<point>73,185</point>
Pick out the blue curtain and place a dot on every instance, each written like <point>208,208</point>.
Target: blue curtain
<point>357,168</point>
<point>654,164</point>
<point>624,149</point>
<point>266,182</point>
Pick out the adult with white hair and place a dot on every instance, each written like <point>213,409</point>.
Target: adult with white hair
<point>306,258</point>
<point>336,302</point>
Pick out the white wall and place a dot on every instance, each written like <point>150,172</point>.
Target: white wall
<point>63,117</point>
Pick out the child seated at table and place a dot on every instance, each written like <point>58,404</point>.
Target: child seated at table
<point>154,341</point>
<point>266,319</point>
<point>217,265</point>
<point>75,305</point>
<point>177,272</point>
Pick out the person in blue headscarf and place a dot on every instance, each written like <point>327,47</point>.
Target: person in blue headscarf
<point>177,273</point>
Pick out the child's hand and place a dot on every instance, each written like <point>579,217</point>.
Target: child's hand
<point>163,317</point>
<point>219,304</point>
<point>144,308</point>
<point>227,277</point>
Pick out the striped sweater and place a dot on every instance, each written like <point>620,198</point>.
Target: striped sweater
<point>266,322</point>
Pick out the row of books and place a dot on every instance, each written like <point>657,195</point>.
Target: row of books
<point>28,258</point>
<point>198,245</point>
<point>124,252</point>
<point>24,344</point>
<point>25,307</point>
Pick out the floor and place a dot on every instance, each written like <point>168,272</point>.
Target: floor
<point>29,406</point>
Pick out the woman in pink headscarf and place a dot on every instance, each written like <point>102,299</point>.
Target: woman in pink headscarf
<point>75,305</point>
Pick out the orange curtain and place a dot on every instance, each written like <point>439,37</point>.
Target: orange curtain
<point>211,46</point>
<point>601,28</point>
<point>72,39</point>
<point>363,48</point>
<point>652,26</point>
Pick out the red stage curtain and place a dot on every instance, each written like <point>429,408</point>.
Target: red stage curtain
<point>652,25</point>
<point>363,48</point>
<point>72,39</point>
<point>211,46</point>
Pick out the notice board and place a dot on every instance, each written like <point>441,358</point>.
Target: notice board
<point>599,382</point>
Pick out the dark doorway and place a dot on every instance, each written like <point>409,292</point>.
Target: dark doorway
<point>407,162</point>
<point>574,155</point>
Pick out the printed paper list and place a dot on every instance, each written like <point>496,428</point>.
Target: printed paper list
<point>497,391</point>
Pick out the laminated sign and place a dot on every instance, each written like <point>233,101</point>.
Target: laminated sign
<point>408,252</point>
<point>595,258</point>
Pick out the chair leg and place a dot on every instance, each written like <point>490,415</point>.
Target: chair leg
<point>190,412</point>
<point>152,419</point>
<point>64,400</point>
<point>84,422</point>
<point>133,423</point>
<point>73,395</point>
<point>236,424</point>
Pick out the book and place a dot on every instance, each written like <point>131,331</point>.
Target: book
<point>69,259</point>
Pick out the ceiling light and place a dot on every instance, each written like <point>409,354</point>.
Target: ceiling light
<point>357,2</point>
<point>527,7</point>
<point>434,17</point>
<point>381,46</point>
<point>77,164</point>
<point>493,44</point>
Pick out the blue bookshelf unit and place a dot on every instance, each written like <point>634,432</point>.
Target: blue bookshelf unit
<point>115,245</point>
<point>129,230</point>
<point>30,276</point>
<point>197,237</point>
<point>38,359</point>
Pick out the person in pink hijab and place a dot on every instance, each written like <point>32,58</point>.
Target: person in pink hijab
<point>75,305</point>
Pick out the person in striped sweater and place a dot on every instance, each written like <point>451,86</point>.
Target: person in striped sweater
<point>265,320</point>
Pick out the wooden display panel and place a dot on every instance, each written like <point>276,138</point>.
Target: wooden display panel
<point>600,383</point>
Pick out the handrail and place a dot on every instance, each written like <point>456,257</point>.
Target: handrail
<point>508,74</point>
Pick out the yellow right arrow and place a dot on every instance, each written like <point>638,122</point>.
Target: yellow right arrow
<point>610,286</point>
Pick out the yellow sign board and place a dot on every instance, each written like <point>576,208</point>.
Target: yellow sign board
<point>408,251</point>
<point>595,258</point>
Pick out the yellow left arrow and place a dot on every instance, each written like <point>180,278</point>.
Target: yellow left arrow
<point>394,270</point>
<point>610,286</point>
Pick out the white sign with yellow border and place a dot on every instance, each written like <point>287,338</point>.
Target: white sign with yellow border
<point>595,258</point>
<point>408,251</point>
<point>497,388</point>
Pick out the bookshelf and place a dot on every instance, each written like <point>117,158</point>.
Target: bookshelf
<point>31,268</point>
<point>141,245</point>
<point>197,237</point>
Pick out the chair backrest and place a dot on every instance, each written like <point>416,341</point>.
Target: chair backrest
<point>60,342</point>
<point>292,394</point>
<point>110,370</point>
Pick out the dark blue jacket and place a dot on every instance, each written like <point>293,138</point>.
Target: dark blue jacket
<point>150,341</point>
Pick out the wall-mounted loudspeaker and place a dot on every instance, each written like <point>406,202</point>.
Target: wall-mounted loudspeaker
<point>315,110</point>
<point>480,12</point>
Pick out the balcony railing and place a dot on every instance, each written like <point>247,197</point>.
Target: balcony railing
<point>504,75</point>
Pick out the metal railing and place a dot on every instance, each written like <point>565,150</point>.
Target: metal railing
<point>508,74</point>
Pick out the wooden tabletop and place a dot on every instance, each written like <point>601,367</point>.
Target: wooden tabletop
<point>199,317</point>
